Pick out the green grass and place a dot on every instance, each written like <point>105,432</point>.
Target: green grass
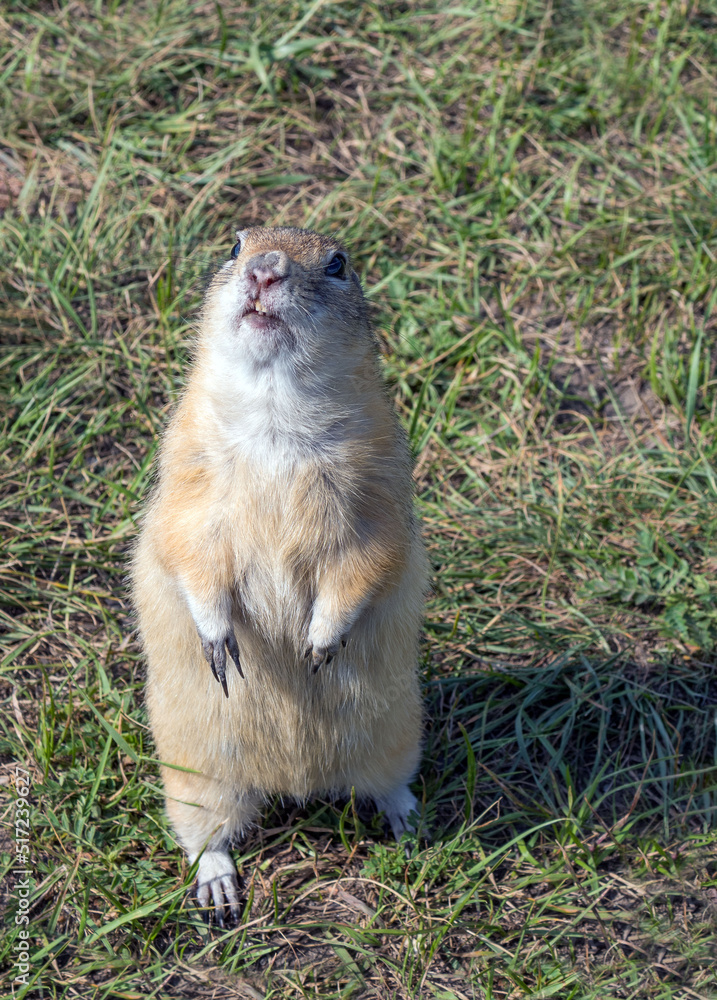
<point>529,191</point>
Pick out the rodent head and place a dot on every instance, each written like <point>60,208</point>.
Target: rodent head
<point>286,295</point>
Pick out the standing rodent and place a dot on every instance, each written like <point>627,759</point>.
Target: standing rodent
<point>281,531</point>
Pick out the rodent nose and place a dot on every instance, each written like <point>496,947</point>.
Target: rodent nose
<point>266,269</point>
<point>264,276</point>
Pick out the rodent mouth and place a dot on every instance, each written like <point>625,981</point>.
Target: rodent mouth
<point>261,318</point>
<point>256,307</point>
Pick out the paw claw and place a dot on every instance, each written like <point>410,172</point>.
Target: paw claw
<point>215,654</point>
<point>316,656</point>
<point>233,648</point>
<point>317,659</point>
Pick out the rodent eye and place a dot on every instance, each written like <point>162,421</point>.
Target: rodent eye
<point>236,250</point>
<point>336,267</point>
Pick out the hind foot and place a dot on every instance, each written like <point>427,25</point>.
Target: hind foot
<point>401,809</point>
<point>218,888</point>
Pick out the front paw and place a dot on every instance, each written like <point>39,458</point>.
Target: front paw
<point>216,656</point>
<point>320,650</point>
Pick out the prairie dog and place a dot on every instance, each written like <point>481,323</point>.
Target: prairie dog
<point>280,535</point>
